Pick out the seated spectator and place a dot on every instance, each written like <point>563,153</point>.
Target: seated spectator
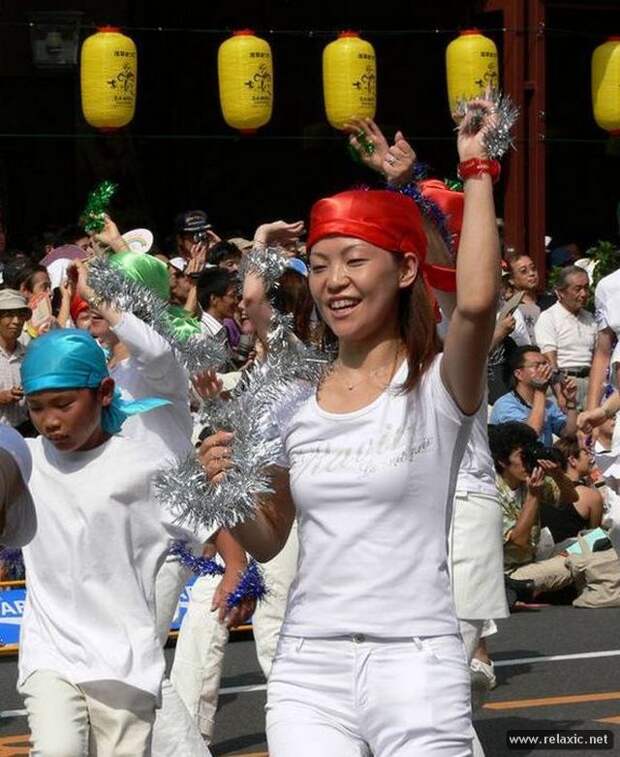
<point>566,332</point>
<point>14,313</point>
<point>523,490</point>
<point>528,403</point>
<point>225,255</point>
<point>569,518</point>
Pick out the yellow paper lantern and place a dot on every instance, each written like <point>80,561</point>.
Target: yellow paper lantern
<point>349,79</point>
<point>606,85</point>
<point>109,79</point>
<point>471,66</point>
<point>245,73</point>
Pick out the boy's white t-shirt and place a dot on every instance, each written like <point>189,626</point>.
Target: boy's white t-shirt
<point>91,567</point>
<point>373,492</point>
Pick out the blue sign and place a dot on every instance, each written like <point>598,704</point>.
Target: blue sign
<point>12,602</point>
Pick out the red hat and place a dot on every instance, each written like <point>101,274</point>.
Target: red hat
<point>386,219</point>
<point>78,305</point>
<point>450,202</point>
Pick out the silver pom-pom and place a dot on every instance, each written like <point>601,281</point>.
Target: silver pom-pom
<point>291,370</point>
<point>267,263</point>
<point>197,353</point>
<point>496,138</point>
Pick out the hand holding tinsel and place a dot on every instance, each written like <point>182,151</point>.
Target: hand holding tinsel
<point>93,217</point>
<point>485,124</point>
<point>237,601</point>
<point>109,237</point>
<point>367,143</point>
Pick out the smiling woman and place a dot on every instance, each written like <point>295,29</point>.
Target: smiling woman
<point>370,658</point>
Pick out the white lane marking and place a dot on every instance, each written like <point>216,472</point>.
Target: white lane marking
<point>244,689</point>
<point>555,657</point>
<point>498,664</point>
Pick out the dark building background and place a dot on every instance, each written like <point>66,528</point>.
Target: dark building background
<point>178,153</point>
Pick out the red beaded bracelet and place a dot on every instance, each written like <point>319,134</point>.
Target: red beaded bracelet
<point>478,166</point>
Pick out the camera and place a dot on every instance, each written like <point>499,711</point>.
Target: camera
<point>557,377</point>
<point>532,453</point>
<point>201,235</point>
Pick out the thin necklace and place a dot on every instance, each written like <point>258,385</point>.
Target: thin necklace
<point>353,385</point>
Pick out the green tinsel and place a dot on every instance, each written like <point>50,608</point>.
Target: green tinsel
<point>455,185</point>
<point>93,217</point>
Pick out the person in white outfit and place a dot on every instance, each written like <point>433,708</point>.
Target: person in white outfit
<point>370,659</point>
<point>90,662</point>
<point>204,634</point>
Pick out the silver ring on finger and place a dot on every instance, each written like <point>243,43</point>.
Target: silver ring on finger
<point>390,160</point>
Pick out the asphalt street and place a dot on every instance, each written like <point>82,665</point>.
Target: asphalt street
<point>578,688</point>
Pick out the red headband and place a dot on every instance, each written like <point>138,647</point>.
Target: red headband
<point>449,202</point>
<point>78,305</point>
<point>386,219</point>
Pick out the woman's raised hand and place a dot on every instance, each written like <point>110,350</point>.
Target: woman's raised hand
<point>395,162</point>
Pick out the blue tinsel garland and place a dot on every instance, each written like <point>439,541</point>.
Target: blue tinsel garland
<point>251,584</point>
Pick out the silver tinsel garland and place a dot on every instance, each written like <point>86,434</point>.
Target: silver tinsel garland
<point>498,138</point>
<point>197,353</point>
<point>291,370</point>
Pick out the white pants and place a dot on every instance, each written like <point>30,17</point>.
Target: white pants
<point>356,696</point>
<point>175,733</point>
<point>102,718</point>
<point>269,614</point>
<point>199,657</point>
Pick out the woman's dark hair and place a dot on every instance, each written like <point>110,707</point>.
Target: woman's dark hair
<point>213,282</point>
<point>293,297</point>
<point>28,276</point>
<point>505,438</point>
<point>417,327</point>
<point>568,446</point>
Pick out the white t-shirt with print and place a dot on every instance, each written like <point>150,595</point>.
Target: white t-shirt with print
<point>373,492</point>
<point>91,567</point>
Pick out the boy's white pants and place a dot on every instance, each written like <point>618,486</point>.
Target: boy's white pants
<point>356,696</point>
<point>103,718</point>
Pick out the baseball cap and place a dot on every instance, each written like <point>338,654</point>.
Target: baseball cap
<point>191,221</point>
<point>178,263</point>
<point>13,300</point>
<point>297,265</point>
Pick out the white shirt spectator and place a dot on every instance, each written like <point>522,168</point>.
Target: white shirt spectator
<point>211,325</point>
<point>571,336</point>
<point>607,304</point>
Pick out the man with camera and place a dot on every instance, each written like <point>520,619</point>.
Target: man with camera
<point>527,402</point>
<point>528,476</point>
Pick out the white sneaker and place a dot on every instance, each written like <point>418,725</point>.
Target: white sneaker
<point>483,680</point>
